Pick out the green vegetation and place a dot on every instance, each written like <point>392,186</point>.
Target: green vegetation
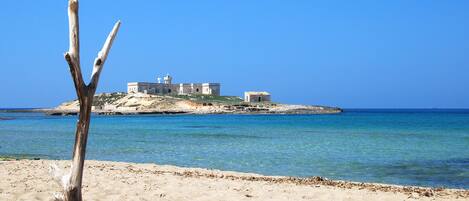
<point>226,100</point>
<point>109,98</point>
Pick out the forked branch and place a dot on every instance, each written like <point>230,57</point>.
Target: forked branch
<point>71,182</point>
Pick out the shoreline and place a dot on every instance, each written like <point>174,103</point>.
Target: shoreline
<point>141,103</point>
<point>56,112</point>
<point>143,175</point>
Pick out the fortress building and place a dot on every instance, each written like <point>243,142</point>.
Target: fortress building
<point>168,88</point>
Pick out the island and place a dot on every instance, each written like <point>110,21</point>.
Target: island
<point>120,103</point>
<point>166,97</point>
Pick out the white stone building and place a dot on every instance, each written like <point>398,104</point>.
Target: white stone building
<point>168,88</point>
<point>256,96</point>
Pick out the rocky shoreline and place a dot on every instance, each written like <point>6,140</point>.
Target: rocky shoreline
<point>55,112</point>
<point>140,104</point>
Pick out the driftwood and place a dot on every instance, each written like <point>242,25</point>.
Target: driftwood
<point>72,180</point>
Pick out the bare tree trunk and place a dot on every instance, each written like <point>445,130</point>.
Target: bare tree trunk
<point>72,181</point>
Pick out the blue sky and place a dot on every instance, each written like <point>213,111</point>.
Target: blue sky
<point>351,54</point>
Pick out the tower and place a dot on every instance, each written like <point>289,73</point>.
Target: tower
<point>167,79</point>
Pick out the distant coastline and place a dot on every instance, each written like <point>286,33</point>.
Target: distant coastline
<point>18,109</point>
<point>407,110</point>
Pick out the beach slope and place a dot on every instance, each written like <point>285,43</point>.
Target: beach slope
<point>29,180</point>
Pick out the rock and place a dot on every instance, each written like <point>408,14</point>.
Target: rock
<point>123,104</point>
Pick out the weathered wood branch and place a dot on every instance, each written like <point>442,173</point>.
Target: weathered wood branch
<point>73,54</point>
<point>76,75</point>
<point>102,56</point>
<point>72,181</point>
<point>57,173</point>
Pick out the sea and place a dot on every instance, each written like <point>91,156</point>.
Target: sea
<point>418,147</point>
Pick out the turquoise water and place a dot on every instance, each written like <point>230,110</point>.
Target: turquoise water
<point>410,147</point>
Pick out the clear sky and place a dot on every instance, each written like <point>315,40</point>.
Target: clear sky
<point>351,54</point>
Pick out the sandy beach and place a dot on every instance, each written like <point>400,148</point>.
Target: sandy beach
<point>30,180</point>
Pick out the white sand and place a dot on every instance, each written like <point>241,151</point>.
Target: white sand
<point>29,180</point>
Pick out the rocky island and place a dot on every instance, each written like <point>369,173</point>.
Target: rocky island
<point>141,103</point>
<point>166,97</point>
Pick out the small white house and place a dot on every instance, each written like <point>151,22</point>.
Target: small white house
<point>256,96</point>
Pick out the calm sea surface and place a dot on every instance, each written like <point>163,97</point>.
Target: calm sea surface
<point>410,147</point>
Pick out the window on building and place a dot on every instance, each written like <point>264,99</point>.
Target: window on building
<point>169,90</point>
<point>197,90</point>
<point>259,99</point>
